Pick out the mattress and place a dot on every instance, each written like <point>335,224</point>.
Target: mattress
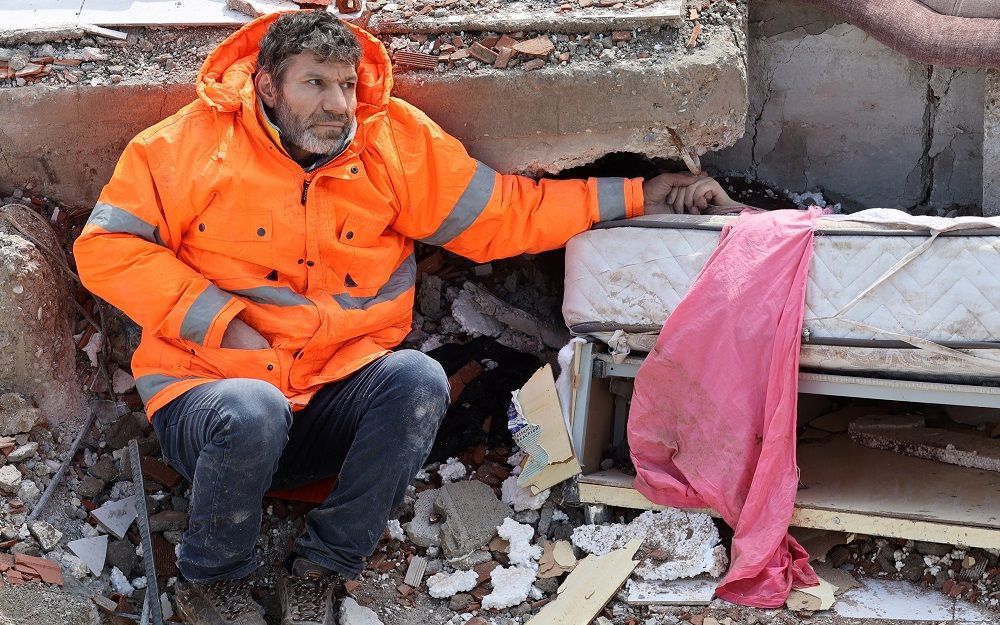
<point>884,298</point>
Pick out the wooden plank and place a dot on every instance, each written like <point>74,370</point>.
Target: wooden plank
<point>624,496</point>
<point>849,488</point>
<point>839,475</point>
<point>590,586</point>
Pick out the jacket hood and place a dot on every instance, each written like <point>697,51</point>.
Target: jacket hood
<point>224,80</point>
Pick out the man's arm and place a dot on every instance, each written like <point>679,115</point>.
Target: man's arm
<point>449,199</point>
<point>127,256</point>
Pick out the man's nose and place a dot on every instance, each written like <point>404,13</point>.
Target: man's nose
<point>334,101</point>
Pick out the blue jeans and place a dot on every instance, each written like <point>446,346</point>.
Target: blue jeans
<point>234,439</point>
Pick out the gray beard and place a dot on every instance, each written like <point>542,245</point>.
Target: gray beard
<point>296,132</point>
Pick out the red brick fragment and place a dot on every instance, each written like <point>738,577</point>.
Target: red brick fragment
<point>14,578</point>
<point>505,41</point>
<point>404,590</point>
<point>503,59</point>
<point>621,35</point>
<point>533,64</point>
<point>484,54</point>
<point>489,41</point>
<point>541,46</point>
<point>159,472</point>
<point>415,60</point>
<point>351,586</point>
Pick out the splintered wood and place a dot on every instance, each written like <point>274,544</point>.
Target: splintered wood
<point>590,586</point>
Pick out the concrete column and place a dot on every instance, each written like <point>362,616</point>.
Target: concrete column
<point>991,145</point>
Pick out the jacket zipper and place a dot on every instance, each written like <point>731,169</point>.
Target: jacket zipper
<point>305,189</point>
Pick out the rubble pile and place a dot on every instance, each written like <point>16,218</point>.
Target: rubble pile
<point>971,574</point>
<point>147,55</point>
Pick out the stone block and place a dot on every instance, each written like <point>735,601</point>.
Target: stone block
<point>37,354</point>
<point>471,514</point>
<point>991,145</point>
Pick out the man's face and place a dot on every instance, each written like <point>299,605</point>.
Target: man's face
<point>313,103</point>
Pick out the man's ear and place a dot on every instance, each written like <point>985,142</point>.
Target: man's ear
<point>267,88</point>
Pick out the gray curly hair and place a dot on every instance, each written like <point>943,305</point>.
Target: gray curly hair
<point>317,31</point>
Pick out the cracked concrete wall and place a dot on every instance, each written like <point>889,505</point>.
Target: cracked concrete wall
<point>832,109</point>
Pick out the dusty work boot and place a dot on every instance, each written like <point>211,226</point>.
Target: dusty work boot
<point>306,594</point>
<point>226,602</point>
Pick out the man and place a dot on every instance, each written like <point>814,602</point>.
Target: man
<point>263,239</point>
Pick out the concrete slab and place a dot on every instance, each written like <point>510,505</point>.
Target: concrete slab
<point>39,14</point>
<point>157,12</point>
<point>894,600</point>
<point>530,16</point>
<point>991,145</point>
<point>43,605</point>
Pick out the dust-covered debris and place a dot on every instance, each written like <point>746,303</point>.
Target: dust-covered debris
<point>675,543</point>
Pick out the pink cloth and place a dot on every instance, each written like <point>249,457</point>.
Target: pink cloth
<point>712,422</point>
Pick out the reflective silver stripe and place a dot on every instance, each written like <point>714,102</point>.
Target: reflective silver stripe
<point>468,208</point>
<point>199,317</point>
<point>274,295</point>
<point>611,198</point>
<point>399,282</point>
<point>120,221</point>
<point>150,385</point>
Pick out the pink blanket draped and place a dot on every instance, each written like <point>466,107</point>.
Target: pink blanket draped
<point>712,422</point>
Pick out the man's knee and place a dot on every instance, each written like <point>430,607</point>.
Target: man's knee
<point>422,378</point>
<point>253,413</point>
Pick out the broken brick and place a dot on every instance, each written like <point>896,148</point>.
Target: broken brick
<point>489,41</point>
<point>503,58</point>
<point>621,35</point>
<point>693,40</point>
<point>159,472</point>
<point>484,54</point>
<point>505,41</point>
<point>533,64</point>
<point>415,60</point>
<point>404,590</point>
<point>351,586</point>
<point>541,46</point>
<point>458,41</point>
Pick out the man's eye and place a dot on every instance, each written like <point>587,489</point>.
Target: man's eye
<point>347,85</point>
<point>315,82</point>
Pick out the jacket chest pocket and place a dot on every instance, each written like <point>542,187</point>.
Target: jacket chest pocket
<point>232,242</point>
<point>372,248</point>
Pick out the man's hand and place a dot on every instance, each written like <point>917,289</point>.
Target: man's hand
<point>241,336</point>
<point>683,193</point>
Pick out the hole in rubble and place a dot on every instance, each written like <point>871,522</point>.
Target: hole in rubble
<point>750,191</point>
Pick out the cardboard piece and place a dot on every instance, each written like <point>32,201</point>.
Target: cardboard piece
<point>557,558</point>
<point>590,586</point>
<point>814,598</point>
<point>536,422</point>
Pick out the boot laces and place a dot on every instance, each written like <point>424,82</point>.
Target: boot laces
<point>308,597</point>
<point>231,597</point>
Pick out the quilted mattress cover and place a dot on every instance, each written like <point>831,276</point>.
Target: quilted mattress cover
<point>880,297</point>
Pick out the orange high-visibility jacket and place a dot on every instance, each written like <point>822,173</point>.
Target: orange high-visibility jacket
<point>206,218</point>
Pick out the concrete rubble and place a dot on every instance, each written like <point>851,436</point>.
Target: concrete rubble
<point>676,543</point>
<point>471,513</point>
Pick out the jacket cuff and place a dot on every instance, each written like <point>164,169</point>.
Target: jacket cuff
<point>208,316</point>
<point>635,200</point>
<point>618,198</point>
